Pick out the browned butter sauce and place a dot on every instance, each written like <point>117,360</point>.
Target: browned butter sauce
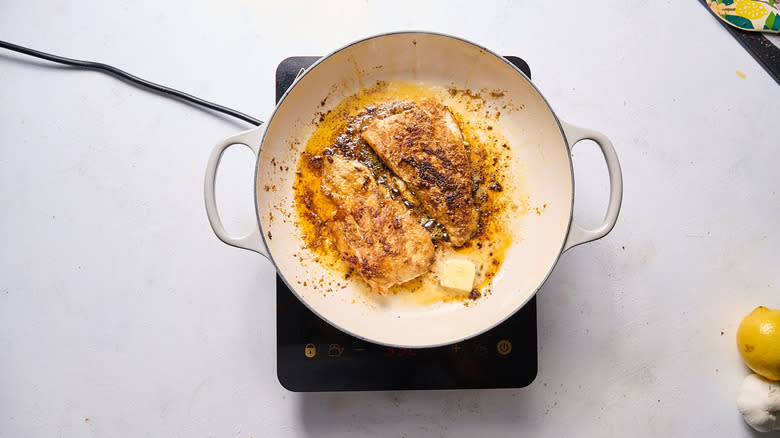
<point>338,132</point>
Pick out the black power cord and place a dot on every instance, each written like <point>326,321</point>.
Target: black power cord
<point>130,78</point>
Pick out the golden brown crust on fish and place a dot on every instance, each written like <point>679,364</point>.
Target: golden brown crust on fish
<point>374,233</point>
<point>424,146</point>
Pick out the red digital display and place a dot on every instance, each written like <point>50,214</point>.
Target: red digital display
<point>399,352</point>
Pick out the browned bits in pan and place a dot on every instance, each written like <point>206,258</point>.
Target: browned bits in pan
<point>495,186</point>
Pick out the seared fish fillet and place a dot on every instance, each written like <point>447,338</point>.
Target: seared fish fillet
<point>424,146</point>
<point>374,233</point>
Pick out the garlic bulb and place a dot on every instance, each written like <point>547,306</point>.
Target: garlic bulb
<point>759,403</point>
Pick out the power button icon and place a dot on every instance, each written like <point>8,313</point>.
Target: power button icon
<point>310,350</point>
<point>504,347</point>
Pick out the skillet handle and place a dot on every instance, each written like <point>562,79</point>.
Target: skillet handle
<point>577,234</point>
<point>254,240</point>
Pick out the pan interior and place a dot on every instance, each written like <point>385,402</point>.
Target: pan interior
<point>540,168</point>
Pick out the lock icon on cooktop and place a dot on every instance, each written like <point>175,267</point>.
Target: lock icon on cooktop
<point>310,350</point>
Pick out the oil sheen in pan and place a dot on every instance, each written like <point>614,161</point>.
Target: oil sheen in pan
<point>478,114</point>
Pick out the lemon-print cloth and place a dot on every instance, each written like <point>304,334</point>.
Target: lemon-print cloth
<point>760,15</point>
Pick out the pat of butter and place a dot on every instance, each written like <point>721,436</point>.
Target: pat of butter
<point>458,274</point>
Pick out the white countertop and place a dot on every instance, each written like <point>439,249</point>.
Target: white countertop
<point>121,314</point>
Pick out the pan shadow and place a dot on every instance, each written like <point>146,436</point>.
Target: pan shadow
<point>413,413</point>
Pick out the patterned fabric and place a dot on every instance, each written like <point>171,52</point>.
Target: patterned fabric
<point>757,15</point>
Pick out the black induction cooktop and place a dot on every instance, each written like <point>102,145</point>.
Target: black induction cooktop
<point>312,355</point>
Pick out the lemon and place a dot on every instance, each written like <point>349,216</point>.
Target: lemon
<point>758,341</point>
